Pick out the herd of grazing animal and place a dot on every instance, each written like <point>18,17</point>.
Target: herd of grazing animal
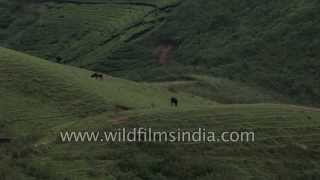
<point>173,100</point>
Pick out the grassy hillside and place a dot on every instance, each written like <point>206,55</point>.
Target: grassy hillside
<point>33,89</point>
<point>40,98</point>
<point>77,32</point>
<point>224,90</point>
<point>271,44</point>
<point>286,147</point>
<point>230,63</point>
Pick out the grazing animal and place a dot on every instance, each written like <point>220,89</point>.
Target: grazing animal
<point>174,102</point>
<point>4,140</point>
<point>58,59</point>
<point>97,76</point>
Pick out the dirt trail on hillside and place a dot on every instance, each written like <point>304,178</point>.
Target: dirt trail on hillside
<point>120,120</point>
<point>306,108</point>
<point>173,83</point>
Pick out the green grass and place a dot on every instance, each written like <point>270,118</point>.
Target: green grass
<point>286,146</point>
<point>81,34</point>
<point>40,98</point>
<point>224,90</point>
<point>48,90</point>
<point>252,56</point>
<point>272,45</point>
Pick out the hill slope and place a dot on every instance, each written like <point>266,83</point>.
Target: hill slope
<point>39,99</point>
<point>268,43</point>
<point>33,89</point>
<point>77,32</point>
<point>286,146</point>
<point>224,90</point>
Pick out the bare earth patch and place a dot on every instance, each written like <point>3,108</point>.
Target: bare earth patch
<point>162,53</point>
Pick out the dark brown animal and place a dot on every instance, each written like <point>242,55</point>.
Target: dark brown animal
<point>4,140</point>
<point>58,59</point>
<point>174,102</point>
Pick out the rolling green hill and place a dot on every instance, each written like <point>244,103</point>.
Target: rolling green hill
<point>77,32</point>
<point>39,99</point>
<point>235,65</point>
<point>267,43</point>
<point>33,89</point>
<point>272,44</point>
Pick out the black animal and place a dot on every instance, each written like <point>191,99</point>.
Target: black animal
<point>58,59</point>
<point>97,76</point>
<point>4,140</point>
<point>174,102</point>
